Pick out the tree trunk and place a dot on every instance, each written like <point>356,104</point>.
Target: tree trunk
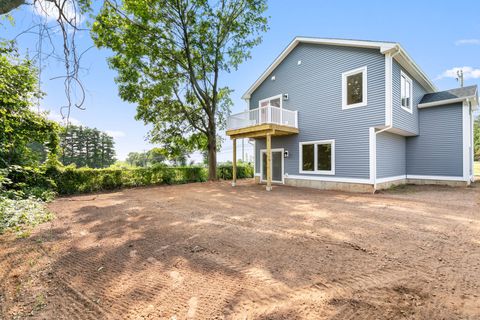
<point>212,157</point>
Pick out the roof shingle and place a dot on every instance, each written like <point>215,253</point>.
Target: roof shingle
<point>456,93</point>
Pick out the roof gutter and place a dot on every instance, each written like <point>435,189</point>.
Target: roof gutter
<point>442,102</point>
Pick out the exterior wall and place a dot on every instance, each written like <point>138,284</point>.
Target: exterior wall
<point>391,155</point>
<point>438,149</point>
<point>403,119</point>
<point>314,88</point>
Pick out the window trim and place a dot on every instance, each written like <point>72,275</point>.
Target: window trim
<point>262,151</point>
<point>279,96</point>
<point>315,155</point>
<point>407,78</point>
<point>346,74</point>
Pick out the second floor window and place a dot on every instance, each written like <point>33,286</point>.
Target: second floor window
<point>406,92</point>
<point>354,88</point>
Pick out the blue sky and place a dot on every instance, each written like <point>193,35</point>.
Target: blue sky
<point>439,35</point>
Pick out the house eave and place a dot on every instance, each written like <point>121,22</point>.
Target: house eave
<point>384,47</point>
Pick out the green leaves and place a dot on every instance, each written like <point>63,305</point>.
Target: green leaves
<point>170,55</point>
<point>20,126</point>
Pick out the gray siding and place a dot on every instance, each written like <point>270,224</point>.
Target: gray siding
<point>437,150</point>
<point>315,90</point>
<point>402,119</point>
<point>391,155</point>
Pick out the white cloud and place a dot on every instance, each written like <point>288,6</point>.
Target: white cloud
<point>49,11</point>
<point>468,73</point>
<point>115,133</point>
<point>57,117</point>
<point>462,42</point>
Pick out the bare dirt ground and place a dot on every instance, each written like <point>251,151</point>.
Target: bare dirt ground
<point>210,251</point>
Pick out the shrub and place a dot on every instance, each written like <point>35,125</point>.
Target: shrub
<point>20,214</point>
<point>23,182</point>
<point>70,180</point>
<point>225,171</point>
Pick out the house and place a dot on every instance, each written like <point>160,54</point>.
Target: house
<point>355,115</point>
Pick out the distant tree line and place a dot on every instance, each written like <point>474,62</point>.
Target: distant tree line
<point>156,156</point>
<point>86,147</point>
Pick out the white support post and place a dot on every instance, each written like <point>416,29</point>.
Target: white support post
<point>269,162</point>
<point>234,163</point>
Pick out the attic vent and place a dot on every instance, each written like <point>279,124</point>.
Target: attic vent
<point>299,62</point>
<point>273,78</point>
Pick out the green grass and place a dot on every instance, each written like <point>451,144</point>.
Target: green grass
<point>476,168</point>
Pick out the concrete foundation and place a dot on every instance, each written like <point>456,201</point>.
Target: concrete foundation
<point>329,185</point>
<point>364,187</point>
<point>439,182</point>
<point>389,184</point>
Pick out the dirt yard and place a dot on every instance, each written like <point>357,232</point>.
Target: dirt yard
<point>210,251</point>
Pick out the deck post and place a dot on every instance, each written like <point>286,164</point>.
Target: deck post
<point>234,163</point>
<point>269,162</point>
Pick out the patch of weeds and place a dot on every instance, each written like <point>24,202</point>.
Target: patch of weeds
<point>400,188</point>
<point>20,215</point>
<point>40,302</point>
<point>32,263</point>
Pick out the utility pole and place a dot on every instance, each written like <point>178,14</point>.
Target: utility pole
<point>460,77</point>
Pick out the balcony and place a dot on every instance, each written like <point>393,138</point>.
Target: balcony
<point>263,121</point>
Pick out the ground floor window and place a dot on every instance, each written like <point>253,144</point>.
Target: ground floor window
<point>317,157</point>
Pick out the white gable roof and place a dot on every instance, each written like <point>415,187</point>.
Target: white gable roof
<point>402,57</point>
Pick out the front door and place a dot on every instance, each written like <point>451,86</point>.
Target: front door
<point>277,165</point>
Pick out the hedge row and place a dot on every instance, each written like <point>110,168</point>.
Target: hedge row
<point>72,181</point>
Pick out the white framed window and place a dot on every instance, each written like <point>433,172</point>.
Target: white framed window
<point>354,88</point>
<point>317,157</point>
<point>406,92</point>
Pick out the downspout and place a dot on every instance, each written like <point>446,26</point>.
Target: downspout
<point>388,103</point>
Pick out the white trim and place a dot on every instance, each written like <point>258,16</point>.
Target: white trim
<point>445,178</point>
<point>372,143</point>
<point>442,102</point>
<point>329,179</point>
<point>466,138</point>
<point>384,47</point>
<point>409,80</point>
<point>315,155</point>
<point>388,89</point>
<point>346,74</point>
<point>257,175</point>
<point>389,179</point>
<point>281,150</point>
<point>278,96</point>
<point>471,147</point>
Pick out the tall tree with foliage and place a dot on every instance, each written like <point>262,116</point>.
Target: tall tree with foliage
<point>170,54</point>
<point>87,147</point>
<point>20,126</point>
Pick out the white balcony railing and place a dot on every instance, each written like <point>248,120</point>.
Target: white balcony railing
<point>263,115</point>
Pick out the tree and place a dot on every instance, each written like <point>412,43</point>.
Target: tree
<point>21,129</point>
<point>170,55</point>
<point>156,156</point>
<point>87,147</point>
<point>476,139</point>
